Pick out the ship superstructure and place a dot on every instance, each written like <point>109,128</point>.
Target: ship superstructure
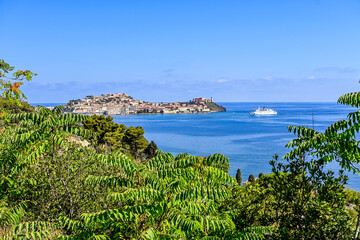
<point>264,111</point>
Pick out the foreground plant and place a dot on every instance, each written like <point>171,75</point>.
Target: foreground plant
<point>338,143</point>
<point>166,198</point>
<point>36,137</point>
<point>10,84</point>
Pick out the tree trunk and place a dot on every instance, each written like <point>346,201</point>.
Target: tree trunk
<point>357,226</point>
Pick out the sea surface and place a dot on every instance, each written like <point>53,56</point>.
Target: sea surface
<point>248,141</point>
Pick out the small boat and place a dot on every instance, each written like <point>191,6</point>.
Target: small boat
<point>263,111</point>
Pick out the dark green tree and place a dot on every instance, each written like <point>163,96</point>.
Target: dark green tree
<point>238,177</point>
<point>251,179</point>
<point>113,136</point>
<point>7,106</point>
<point>102,126</point>
<point>261,175</point>
<point>151,150</point>
<point>134,141</point>
<point>309,201</point>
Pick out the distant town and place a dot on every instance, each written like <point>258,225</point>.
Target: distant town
<point>123,104</point>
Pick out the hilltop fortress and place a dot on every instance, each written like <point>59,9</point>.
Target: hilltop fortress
<point>123,104</point>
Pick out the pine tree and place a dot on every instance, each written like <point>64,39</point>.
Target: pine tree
<point>238,177</point>
<point>252,179</point>
<point>150,150</point>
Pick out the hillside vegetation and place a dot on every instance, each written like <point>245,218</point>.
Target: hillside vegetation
<point>69,176</point>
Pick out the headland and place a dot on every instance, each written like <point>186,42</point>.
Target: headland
<point>123,104</point>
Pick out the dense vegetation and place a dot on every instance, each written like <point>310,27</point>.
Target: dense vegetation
<point>215,107</point>
<point>117,137</point>
<point>67,176</point>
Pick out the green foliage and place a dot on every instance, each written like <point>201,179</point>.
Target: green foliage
<point>353,206</point>
<point>10,217</point>
<point>53,183</point>
<point>11,102</point>
<point>151,150</point>
<point>214,107</point>
<point>251,179</point>
<point>310,202</point>
<point>299,198</point>
<point>42,132</point>
<point>36,139</point>
<point>106,130</point>
<point>238,177</point>
<point>56,186</point>
<point>167,197</point>
<point>119,138</point>
<point>7,106</point>
<point>10,84</point>
<point>12,225</point>
<point>134,141</point>
<point>298,206</point>
<point>337,143</point>
<point>249,206</point>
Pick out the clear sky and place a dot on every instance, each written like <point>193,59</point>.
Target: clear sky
<point>175,50</point>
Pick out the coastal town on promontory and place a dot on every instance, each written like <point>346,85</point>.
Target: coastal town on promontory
<point>123,104</point>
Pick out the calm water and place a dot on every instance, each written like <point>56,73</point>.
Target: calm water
<point>249,141</point>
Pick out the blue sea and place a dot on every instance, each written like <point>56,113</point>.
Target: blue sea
<point>248,141</point>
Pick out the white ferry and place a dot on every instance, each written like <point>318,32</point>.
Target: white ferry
<point>263,111</point>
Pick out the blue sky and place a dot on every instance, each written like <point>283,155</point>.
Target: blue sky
<point>258,51</point>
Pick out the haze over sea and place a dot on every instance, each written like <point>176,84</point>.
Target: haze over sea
<point>248,141</point>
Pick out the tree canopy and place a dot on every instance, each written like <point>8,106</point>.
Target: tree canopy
<point>117,137</point>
